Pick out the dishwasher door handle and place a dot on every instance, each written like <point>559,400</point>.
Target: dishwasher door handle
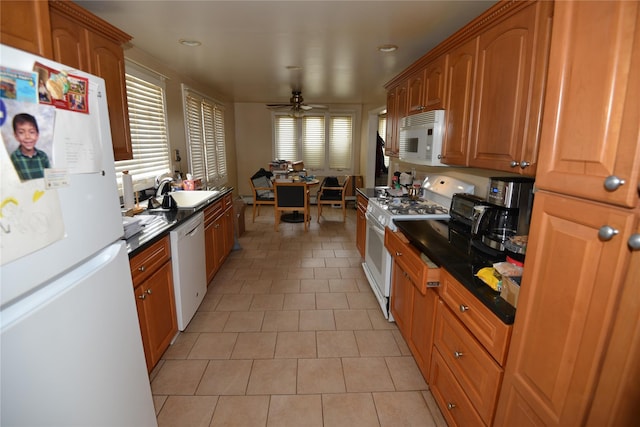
<point>193,231</point>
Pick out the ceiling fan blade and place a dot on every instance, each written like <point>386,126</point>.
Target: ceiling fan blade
<point>305,107</point>
<point>278,105</point>
<point>317,106</point>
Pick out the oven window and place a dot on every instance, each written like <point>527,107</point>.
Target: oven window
<point>375,246</point>
<point>412,145</point>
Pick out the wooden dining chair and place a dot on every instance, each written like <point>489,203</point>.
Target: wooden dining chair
<point>291,199</point>
<point>262,194</point>
<point>332,193</point>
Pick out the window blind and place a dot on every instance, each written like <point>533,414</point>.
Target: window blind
<point>323,141</point>
<point>204,120</point>
<point>148,123</point>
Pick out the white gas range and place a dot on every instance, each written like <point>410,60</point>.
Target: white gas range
<point>433,203</point>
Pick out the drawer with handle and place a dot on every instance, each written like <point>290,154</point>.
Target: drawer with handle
<point>456,407</point>
<point>485,326</point>
<point>149,260</point>
<point>476,371</point>
<point>421,273</point>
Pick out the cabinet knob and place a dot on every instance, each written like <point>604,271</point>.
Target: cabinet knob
<point>451,405</point>
<point>513,164</point>
<point>463,308</point>
<point>612,183</point>
<point>143,296</point>
<point>141,268</point>
<point>606,233</point>
<point>634,241</point>
<point>457,354</point>
<point>148,291</point>
<point>398,253</point>
<point>524,164</point>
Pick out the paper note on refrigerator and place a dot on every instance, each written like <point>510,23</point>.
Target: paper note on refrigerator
<point>30,215</point>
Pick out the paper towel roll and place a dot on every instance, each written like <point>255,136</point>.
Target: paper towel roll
<point>127,190</point>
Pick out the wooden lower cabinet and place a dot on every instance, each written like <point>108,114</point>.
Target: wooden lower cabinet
<point>218,234</point>
<point>454,404</point>
<point>155,299</point>
<point>413,304</point>
<point>471,344</point>
<point>475,370</point>
<point>361,223</point>
<point>570,311</point>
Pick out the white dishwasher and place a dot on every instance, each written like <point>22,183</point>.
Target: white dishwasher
<point>189,270</point>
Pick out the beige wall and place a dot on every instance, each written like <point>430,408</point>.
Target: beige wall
<point>254,140</point>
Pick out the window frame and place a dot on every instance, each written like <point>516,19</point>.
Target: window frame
<point>212,155</point>
<point>299,135</point>
<point>154,78</point>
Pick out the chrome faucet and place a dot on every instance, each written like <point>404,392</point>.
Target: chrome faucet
<point>163,184</point>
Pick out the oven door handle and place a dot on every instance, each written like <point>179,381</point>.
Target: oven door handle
<point>374,224</point>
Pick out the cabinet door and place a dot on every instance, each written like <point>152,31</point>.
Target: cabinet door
<point>422,328</point>
<point>459,95</point>
<point>434,84</point>
<point>569,295</point>
<point>156,301</point>
<point>228,233</point>
<point>107,61</point>
<point>25,25</point>
<point>361,224</point>
<point>416,92</point>
<point>209,250</point>
<point>402,300</point>
<point>396,109</point>
<point>509,84</point>
<point>592,107</point>
<point>69,42</point>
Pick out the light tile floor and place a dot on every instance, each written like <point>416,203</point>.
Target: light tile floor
<point>290,334</point>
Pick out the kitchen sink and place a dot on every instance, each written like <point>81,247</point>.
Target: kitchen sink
<point>193,199</point>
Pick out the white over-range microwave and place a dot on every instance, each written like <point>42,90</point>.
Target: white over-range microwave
<point>421,138</point>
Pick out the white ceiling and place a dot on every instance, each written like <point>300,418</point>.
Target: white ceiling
<point>247,45</point>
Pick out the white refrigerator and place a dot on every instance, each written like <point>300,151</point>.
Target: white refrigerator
<point>70,345</point>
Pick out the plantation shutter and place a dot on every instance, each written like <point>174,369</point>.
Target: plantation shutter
<point>340,142</point>
<point>148,124</point>
<point>205,138</point>
<point>286,136</point>
<point>313,142</point>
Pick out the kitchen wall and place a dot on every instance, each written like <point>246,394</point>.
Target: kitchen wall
<point>175,116</point>
<point>478,177</point>
<point>253,131</point>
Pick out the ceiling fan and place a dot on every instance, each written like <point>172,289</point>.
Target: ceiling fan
<point>296,105</point>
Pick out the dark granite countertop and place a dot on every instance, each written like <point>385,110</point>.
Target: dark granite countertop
<point>429,237</point>
<point>166,221</point>
<point>370,192</point>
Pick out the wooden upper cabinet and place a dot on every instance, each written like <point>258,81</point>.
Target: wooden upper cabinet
<point>25,25</point>
<point>592,108</point>
<point>569,295</point>
<point>434,84</point>
<point>415,92</point>
<point>461,65</point>
<point>82,40</point>
<point>425,87</point>
<point>509,87</point>
<point>396,109</point>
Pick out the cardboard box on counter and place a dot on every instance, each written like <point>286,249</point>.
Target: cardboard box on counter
<point>510,291</point>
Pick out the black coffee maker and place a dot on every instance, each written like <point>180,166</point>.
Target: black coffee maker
<point>507,214</point>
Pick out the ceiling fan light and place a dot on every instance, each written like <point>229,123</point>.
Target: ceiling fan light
<point>297,112</point>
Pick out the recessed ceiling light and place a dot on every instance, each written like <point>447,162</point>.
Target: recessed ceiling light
<point>387,48</point>
<point>190,43</point>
